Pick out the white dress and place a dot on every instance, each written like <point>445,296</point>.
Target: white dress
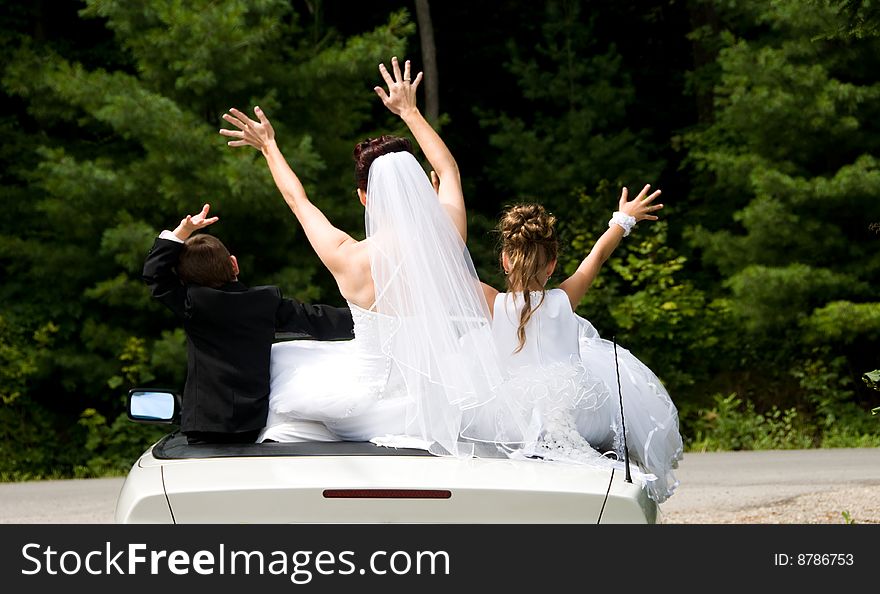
<point>565,378</point>
<point>335,390</point>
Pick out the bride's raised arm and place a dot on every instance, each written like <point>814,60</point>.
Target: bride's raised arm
<point>401,100</point>
<point>329,242</point>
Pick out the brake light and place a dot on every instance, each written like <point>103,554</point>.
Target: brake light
<point>387,494</point>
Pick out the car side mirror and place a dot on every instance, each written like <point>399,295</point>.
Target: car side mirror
<point>153,406</point>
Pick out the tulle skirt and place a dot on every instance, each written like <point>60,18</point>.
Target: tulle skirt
<point>570,411</point>
<point>649,415</point>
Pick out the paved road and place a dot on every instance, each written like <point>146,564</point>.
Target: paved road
<point>793,486</point>
<point>777,487</point>
<point>81,501</point>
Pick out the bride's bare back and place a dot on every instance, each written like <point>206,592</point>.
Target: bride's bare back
<point>354,280</point>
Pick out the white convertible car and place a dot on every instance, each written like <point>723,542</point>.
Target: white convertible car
<point>348,482</point>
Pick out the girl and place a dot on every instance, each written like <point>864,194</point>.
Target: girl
<point>562,397</point>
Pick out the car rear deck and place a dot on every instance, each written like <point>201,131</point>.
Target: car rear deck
<point>346,482</point>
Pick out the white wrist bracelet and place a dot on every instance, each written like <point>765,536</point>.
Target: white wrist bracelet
<point>625,221</point>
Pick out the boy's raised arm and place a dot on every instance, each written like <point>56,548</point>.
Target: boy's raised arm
<point>192,223</point>
<point>159,267</point>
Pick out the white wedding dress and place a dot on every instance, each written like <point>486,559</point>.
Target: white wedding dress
<point>562,391</point>
<point>348,390</point>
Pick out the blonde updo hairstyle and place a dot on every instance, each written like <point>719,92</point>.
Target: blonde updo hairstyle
<point>528,238</point>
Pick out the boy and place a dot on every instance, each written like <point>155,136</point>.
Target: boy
<point>229,328</point>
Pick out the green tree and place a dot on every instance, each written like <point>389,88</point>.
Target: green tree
<point>123,144</point>
<point>571,131</point>
<point>789,181</point>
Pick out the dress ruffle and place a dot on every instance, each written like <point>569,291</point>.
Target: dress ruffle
<point>650,416</point>
<point>562,400</point>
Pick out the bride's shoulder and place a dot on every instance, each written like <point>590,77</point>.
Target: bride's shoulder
<point>356,256</point>
<point>349,259</point>
<point>354,278</point>
<point>357,246</point>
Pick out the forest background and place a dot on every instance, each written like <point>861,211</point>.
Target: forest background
<point>755,299</point>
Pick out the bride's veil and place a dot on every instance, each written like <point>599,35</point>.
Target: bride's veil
<point>434,323</point>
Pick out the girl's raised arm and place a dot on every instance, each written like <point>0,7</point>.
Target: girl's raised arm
<point>629,213</point>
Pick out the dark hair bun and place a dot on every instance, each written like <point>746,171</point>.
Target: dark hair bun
<point>367,151</point>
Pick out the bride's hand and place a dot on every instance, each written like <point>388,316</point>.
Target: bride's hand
<point>401,95</point>
<point>250,133</point>
<point>640,207</point>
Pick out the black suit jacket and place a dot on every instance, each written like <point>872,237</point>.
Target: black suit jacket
<point>229,334</point>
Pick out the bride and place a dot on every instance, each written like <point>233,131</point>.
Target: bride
<point>422,357</point>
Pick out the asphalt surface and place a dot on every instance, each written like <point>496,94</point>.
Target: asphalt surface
<point>791,486</point>
<point>79,501</point>
<point>777,487</point>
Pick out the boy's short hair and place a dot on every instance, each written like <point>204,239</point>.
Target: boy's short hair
<point>205,261</point>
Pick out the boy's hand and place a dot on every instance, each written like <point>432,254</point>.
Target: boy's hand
<point>192,223</point>
<point>250,133</point>
<point>640,207</point>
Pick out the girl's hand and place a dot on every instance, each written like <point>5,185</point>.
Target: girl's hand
<point>401,96</point>
<point>192,223</point>
<point>249,133</point>
<point>640,207</point>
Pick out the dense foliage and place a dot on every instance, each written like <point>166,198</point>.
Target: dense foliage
<point>755,299</point>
